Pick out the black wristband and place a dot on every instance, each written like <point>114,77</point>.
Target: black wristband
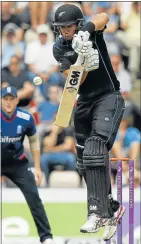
<point>90,27</point>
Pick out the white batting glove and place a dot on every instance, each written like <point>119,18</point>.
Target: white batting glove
<point>84,35</point>
<point>79,44</point>
<point>92,60</point>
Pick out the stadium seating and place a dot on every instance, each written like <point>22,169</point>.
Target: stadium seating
<point>64,179</point>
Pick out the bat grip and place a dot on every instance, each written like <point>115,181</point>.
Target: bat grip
<point>80,60</point>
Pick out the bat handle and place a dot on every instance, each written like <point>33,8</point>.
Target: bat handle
<point>80,60</point>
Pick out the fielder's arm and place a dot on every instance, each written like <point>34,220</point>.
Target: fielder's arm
<point>35,150</point>
<point>26,91</point>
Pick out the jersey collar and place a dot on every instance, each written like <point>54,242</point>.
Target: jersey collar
<point>5,116</point>
<point>66,42</point>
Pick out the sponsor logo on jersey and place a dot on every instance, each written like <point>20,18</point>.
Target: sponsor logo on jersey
<point>107,119</point>
<point>19,129</point>
<point>23,115</point>
<point>70,53</point>
<point>10,139</point>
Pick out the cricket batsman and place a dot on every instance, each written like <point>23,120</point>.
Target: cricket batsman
<point>15,124</point>
<point>98,112</point>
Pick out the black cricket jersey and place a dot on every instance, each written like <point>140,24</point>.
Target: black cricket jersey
<point>98,82</point>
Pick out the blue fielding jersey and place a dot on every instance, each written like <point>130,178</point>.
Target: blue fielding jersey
<point>13,131</point>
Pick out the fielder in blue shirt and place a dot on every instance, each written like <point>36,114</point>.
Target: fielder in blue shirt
<point>15,124</point>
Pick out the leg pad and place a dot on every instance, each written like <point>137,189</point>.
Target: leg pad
<point>96,163</point>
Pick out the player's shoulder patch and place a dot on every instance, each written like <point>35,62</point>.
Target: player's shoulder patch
<point>23,115</point>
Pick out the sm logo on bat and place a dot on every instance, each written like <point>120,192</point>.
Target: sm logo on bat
<point>74,77</point>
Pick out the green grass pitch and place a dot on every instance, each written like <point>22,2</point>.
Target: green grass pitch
<point>65,218</point>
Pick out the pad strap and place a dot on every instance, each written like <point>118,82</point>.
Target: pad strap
<point>80,165</point>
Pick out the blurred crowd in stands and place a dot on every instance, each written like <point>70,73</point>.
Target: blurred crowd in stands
<point>27,40</point>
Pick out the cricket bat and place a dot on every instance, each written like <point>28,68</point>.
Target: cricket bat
<point>69,96</point>
<point>70,92</point>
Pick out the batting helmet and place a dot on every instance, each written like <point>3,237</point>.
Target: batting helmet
<point>68,14</point>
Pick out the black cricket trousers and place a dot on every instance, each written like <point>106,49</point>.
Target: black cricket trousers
<point>19,172</point>
<point>99,117</point>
